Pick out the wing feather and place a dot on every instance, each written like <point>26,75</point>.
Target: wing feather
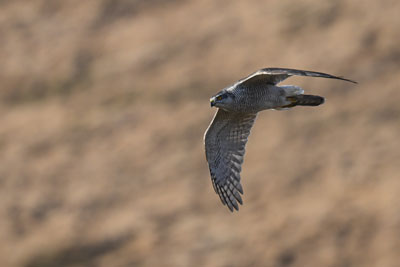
<point>276,75</point>
<point>225,141</point>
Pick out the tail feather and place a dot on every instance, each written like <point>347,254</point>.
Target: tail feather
<point>304,100</point>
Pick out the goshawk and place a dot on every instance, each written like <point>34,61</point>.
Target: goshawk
<point>238,105</point>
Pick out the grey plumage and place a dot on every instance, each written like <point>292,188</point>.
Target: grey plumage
<point>238,105</point>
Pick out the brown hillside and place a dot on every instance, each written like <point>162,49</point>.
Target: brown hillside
<point>103,109</point>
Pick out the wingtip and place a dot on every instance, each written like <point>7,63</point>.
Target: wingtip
<point>348,80</point>
<point>234,208</point>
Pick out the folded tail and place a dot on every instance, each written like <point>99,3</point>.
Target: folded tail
<point>304,100</point>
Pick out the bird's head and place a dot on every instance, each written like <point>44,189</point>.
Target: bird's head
<point>222,100</point>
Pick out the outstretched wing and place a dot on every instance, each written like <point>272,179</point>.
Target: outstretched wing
<point>225,141</point>
<point>276,75</point>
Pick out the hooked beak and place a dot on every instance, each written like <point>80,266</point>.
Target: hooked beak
<point>212,101</point>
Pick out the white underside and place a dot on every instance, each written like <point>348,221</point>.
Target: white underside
<point>292,90</point>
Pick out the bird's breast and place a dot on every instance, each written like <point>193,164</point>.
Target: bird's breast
<point>258,98</point>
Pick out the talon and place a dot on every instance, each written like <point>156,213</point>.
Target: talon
<point>291,99</point>
<point>293,102</point>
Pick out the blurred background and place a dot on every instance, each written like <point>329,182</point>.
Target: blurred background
<point>103,107</point>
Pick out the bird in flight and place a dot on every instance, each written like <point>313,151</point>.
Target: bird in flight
<point>226,137</point>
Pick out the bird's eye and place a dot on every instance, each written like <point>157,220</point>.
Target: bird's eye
<point>220,97</point>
